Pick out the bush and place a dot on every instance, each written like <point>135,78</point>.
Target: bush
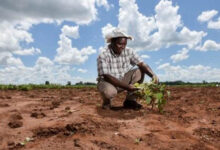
<point>47,82</point>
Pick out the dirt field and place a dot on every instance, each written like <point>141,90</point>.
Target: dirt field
<point>71,119</point>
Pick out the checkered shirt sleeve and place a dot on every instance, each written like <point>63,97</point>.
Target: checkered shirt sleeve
<point>134,58</point>
<point>103,67</point>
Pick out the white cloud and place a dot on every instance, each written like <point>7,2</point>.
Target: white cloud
<point>7,59</point>
<point>43,70</point>
<point>214,24</point>
<point>207,15</point>
<point>69,31</point>
<point>66,54</point>
<point>181,55</point>
<point>30,51</point>
<point>190,38</point>
<point>103,3</point>
<point>145,56</point>
<point>82,70</point>
<point>101,49</point>
<point>193,73</point>
<point>11,37</point>
<point>88,51</point>
<point>164,29</point>
<point>78,11</point>
<point>44,61</point>
<point>209,45</point>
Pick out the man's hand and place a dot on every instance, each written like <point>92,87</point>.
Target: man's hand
<point>146,69</point>
<point>119,83</point>
<point>131,88</point>
<point>155,79</point>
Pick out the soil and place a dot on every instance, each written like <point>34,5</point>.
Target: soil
<point>68,119</point>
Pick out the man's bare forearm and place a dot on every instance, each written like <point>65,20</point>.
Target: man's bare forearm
<point>146,69</point>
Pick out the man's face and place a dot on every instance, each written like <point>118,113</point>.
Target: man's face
<point>120,44</point>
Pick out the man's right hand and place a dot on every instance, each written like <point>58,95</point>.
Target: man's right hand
<point>131,88</point>
<point>120,84</point>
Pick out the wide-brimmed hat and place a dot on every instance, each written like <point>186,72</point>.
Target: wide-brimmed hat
<point>117,32</point>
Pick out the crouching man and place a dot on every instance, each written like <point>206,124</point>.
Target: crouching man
<point>114,70</point>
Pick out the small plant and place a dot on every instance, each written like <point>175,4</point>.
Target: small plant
<point>154,94</point>
<point>137,140</point>
<point>27,139</point>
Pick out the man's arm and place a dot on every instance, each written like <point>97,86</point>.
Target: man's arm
<point>146,69</point>
<point>114,81</point>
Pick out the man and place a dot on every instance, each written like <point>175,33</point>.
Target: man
<point>114,70</point>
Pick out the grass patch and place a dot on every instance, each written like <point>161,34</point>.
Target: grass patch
<point>27,87</point>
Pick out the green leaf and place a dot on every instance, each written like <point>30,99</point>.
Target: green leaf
<point>158,96</point>
<point>148,100</point>
<point>136,84</point>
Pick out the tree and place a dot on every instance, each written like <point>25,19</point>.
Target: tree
<point>47,82</point>
<point>68,83</point>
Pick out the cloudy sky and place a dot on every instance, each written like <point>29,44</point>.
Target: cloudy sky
<point>59,41</point>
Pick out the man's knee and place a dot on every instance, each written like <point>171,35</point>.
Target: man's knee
<point>138,76</point>
<point>109,93</point>
<point>107,90</point>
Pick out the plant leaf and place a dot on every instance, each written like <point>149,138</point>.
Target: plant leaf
<point>148,100</point>
<point>158,96</point>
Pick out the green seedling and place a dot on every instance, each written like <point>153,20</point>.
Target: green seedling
<point>153,94</point>
<point>137,140</point>
<point>22,143</point>
<point>27,139</point>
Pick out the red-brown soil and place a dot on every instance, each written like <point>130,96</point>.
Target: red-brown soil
<point>68,119</point>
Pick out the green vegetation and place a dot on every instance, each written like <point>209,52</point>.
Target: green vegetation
<point>195,84</point>
<point>47,85</point>
<point>154,94</point>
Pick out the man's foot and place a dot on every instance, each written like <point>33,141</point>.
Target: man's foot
<point>106,106</point>
<point>132,104</point>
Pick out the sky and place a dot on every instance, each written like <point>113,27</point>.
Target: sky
<point>59,41</point>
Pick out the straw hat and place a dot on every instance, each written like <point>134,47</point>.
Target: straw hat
<point>115,34</point>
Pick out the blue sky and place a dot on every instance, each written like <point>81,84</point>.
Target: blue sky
<point>59,41</point>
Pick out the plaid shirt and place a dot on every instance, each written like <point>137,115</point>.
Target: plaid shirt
<point>116,65</point>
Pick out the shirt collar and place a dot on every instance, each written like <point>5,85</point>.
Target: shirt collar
<point>113,53</point>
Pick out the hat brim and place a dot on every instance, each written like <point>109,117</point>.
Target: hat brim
<point>108,40</point>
